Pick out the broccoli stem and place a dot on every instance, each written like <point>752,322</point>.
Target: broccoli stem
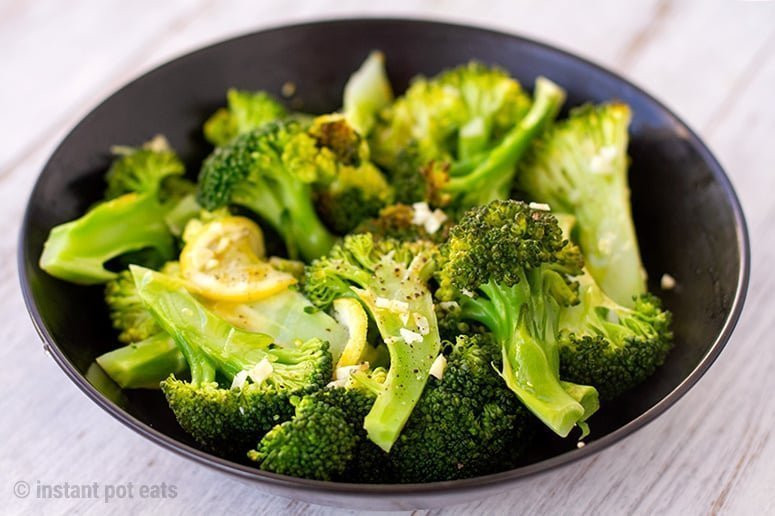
<point>206,340</point>
<point>305,230</point>
<point>408,373</point>
<point>294,217</point>
<point>491,179</point>
<point>76,251</point>
<point>144,364</point>
<point>530,354</point>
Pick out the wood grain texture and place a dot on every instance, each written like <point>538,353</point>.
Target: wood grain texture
<point>713,61</point>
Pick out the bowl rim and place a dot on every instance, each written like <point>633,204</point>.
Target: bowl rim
<point>431,488</point>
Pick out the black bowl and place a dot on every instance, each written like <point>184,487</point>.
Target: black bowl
<point>688,218</point>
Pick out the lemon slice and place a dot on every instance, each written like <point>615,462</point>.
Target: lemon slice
<point>350,313</point>
<point>222,260</point>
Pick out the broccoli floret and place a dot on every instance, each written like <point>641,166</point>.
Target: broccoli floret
<point>127,311</point>
<point>492,176</point>
<point>317,443</point>
<point>262,375</point>
<point>391,279</point>
<point>510,270</point>
<point>397,221</point>
<point>271,171</point>
<point>245,111</point>
<point>367,91</point>
<point>467,424</point>
<point>144,364</point>
<point>451,116</point>
<point>356,189</point>
<point>450,436</point>
<point>458,136</point>
<point>137,191</point>
<point>325,439</point>
<point>609,345</point>
<point>580,167</point>
<point>470,370</point>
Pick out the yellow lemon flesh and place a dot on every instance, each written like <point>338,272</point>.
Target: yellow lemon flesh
<point>223,260</point>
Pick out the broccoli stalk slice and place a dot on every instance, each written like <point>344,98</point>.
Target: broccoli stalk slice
<point>410,362</point>
<point>580,167</point>
<point>390,278</point>
<point>77,251</point>
<point>525,331</point>
<point>367,91</point>
<point>287,316</point>
<point>491,179</point>
<point>144,186</point>
<point>228,420</point>
<point>144,364</point>
<point>209,341</point>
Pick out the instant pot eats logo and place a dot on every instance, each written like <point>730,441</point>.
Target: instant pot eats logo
<point>93,491</point>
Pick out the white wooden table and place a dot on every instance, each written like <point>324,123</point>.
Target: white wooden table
<point>712,61</point>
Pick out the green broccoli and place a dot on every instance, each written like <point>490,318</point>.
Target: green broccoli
<point>138,191</point>
<point>317,443</point>
<point>247,110</point>
<point>270,170</point>
<point>286,316</point>
<point>391,279</point>
<point>468,423</point>
<point>461,134</point>
<point>356,189</point>
<point>151,355</point>
<point>367,92</point>
<point>325,440</point>
<point>144,364</point>
<point>263,376</point>
<point>278,169</point>
<point>128,313</point>
<point>398,222</point>
<point>610,346</point>
<point>580,167</point>
<point>510,270</point>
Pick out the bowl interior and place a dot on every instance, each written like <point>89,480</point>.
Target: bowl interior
<point>687,218</point>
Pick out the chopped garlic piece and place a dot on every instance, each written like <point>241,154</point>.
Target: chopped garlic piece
<point>435,220</point>
<point>421,213</point>
<point>261,371</point>
<point>239,380</point>
<point>337,383</point>
<point>422,324</point>
<point>393,305</point>
<point>410,336</point>
<point>580,444</point>
<point>667,282</point>
<point>449,305</point>
<point>343,373</point>
<point>438,367</point>
<point>467,292</point>
<point>540,206</point>
<point>404,318</point>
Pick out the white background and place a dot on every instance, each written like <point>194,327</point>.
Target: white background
<point>711,61</point>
